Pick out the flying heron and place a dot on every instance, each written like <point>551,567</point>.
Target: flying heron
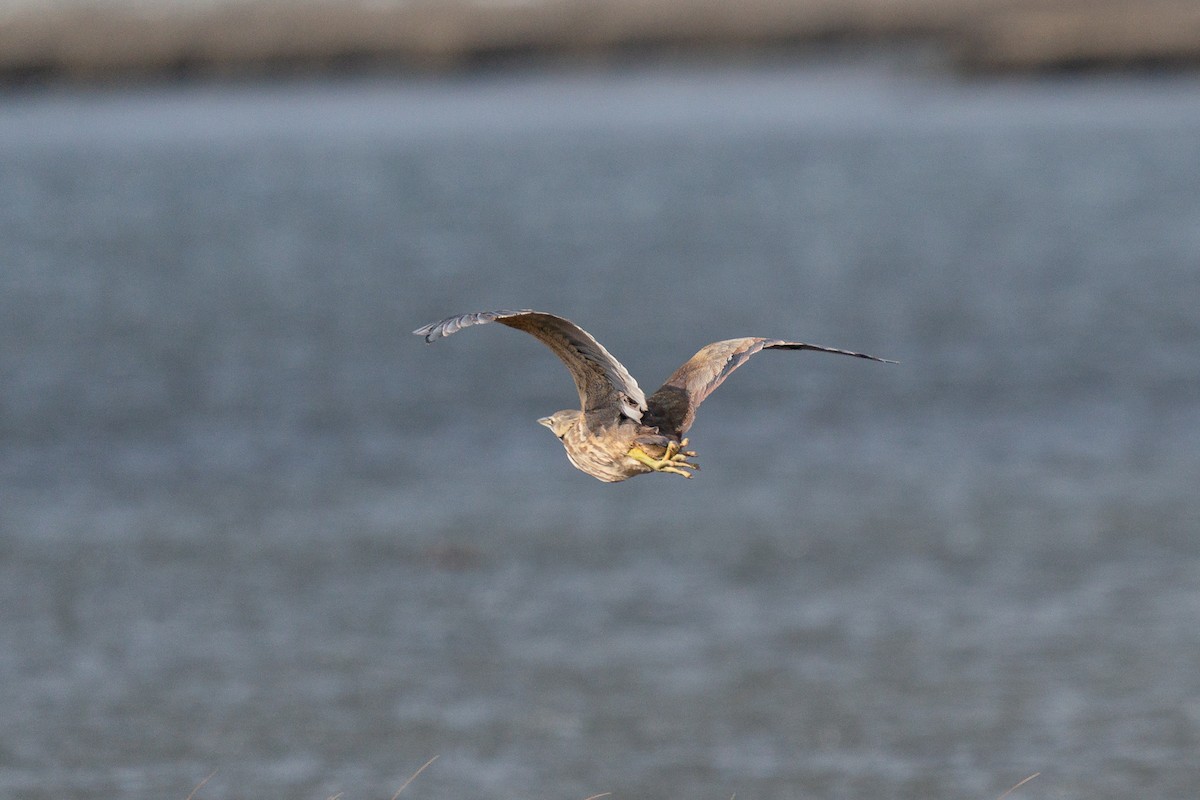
<point>618,432</point>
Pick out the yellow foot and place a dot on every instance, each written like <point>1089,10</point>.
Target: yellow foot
<point>674,461</point>
<point>675,452</point>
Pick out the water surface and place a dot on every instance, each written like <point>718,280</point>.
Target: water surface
<point>249,524</point>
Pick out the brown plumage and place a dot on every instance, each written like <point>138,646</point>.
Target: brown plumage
<point>617,432</point>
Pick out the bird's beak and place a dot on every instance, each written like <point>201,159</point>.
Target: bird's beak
<point>546,421</point>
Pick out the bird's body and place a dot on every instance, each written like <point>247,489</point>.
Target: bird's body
<point>619,433</point>
<point>600,443</point>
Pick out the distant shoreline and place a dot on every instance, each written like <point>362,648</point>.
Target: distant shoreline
<point>86,41</point>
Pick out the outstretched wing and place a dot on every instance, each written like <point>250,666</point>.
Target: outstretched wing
<point>601,380</point>
<point>672,408</point>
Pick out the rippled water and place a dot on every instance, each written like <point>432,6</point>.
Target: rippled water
<point>249,524</point>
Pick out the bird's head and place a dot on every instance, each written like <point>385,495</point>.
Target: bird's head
<point>560,421</point>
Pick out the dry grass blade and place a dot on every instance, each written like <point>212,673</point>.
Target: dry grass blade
<point>413,777</point>
<point>598,796</point>
<point>1018,786</point>
<point>200,785</point>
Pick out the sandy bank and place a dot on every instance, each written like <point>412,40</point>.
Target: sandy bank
<point>90,40</point>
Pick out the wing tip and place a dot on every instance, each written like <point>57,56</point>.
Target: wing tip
<point>445,327</point>
<point>820,348</point>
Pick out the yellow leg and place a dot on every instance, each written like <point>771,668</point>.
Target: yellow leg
<point>674,461</point>
<point>675,452</point>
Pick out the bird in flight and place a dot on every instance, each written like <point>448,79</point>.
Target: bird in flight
<point>618,432</point>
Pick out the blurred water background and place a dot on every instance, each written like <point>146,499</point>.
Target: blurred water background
<point>249,524</point>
